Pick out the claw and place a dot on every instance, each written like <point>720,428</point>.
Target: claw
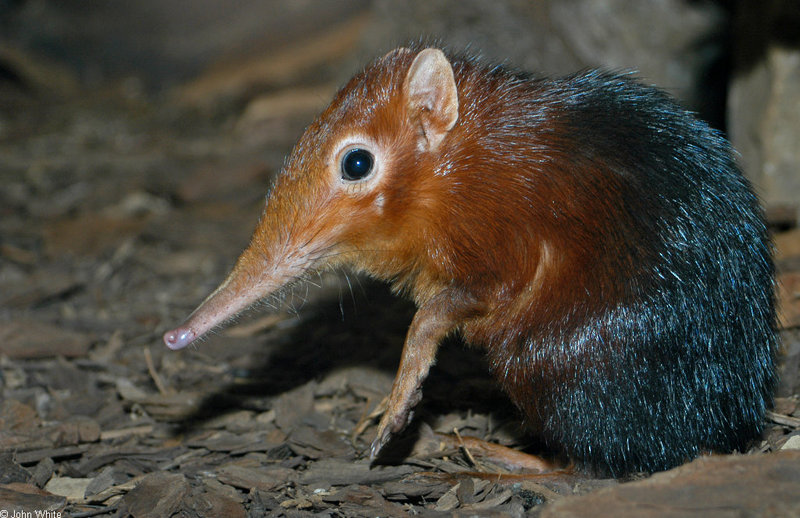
<point>391,423</point>
<point>378,444</point>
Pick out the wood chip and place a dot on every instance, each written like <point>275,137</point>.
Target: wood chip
<point>107,478</point>
<point>10,471</point>
<point>17,417</point>
<point>108,435</point>
<point>73,489</point>
<point>43,471</point>
<point>113,491</point>
<point>733,485</point>
<point>785,420</point>
<point>290,407</point>
<point>352,494</point>
<point>315,444</point>
<point>28,339</point>
<point>340,472</point>
<point>172,407</point>
<point>157,495</point>
<point>30,457</point>
<point>21,498</point>
<point>793,443</point>
<point>255,478</point>
<point>148,358</point>
<point>415,488</point>
<point>234,442</point>
<point>789,299</point>
<point>152,456</point>
<point>215,499</point>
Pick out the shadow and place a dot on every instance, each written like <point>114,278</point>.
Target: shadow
<point>758,24</point>
<point>737,45</point>
<point>365,330</point>
<point>714,55</point>
<point>334,332</point>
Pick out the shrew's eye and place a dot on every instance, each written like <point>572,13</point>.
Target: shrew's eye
<point>357,164</point>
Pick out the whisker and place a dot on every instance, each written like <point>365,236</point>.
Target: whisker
<point>352,296</point>
<point>360,285</point>
<point>341,302</point>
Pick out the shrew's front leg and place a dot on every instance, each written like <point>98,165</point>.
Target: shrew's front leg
<point>440,316</point>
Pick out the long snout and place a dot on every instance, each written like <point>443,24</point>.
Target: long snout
<point>231,298</point>
<point>288,241</point>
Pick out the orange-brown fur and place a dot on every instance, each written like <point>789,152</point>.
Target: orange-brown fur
<point>439,227</point>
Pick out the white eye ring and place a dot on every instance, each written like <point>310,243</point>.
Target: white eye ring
<point>357,162</point>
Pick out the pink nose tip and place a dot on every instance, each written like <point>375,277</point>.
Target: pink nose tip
<point>179,338</point>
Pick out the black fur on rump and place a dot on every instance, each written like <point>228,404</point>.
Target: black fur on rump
<point>681,360</point>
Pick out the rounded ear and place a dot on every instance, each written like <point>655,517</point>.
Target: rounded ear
<point>431,96</point>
